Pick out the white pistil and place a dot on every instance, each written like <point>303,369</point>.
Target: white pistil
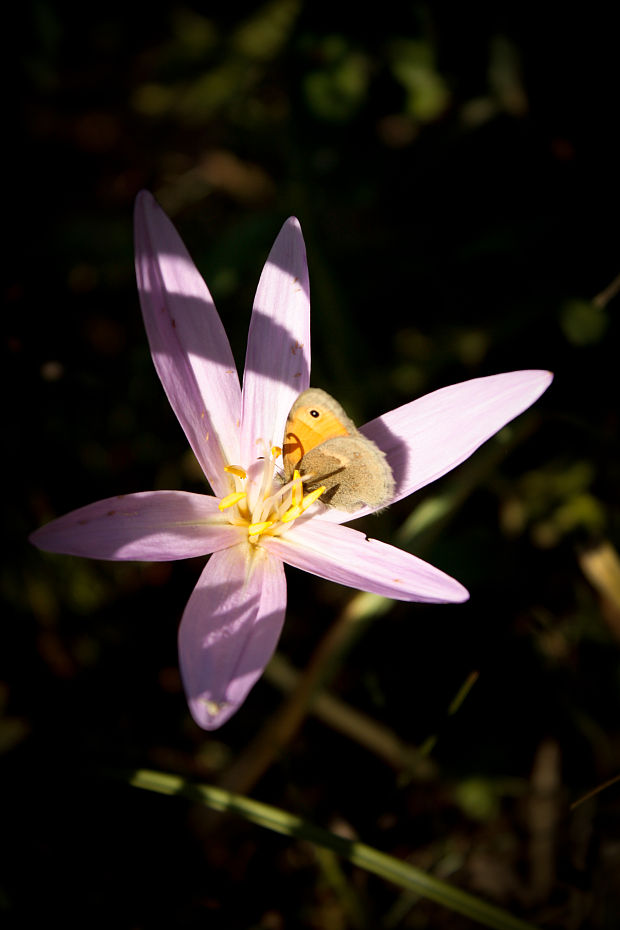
<point>268,474</point>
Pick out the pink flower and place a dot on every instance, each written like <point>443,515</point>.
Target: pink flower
<point>253,522</point>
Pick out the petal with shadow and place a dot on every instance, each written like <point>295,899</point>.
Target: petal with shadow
<point>432,435</point>
<point>229,631</point>
<point>188,343</point>
<point>150,526</point>
<point>277,362</point>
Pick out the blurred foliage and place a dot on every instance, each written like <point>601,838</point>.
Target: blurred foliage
<point>454,170</point>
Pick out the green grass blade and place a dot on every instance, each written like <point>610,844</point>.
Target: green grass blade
<point>272,818</point>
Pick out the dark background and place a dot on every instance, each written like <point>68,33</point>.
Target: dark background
<point>455,172</point>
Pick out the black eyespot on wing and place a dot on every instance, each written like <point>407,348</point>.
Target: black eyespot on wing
<point>314,413</point>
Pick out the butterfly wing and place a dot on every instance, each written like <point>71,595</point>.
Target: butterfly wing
<point>354,471</point>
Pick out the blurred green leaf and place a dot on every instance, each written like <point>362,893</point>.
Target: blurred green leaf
<point>413,65</point>
<point>583,322</point>
<point>337,90</point>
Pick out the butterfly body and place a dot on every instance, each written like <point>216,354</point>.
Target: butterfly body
<point>327,449</point>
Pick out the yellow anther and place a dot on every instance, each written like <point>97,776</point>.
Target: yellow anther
<point>291,514</point>
<point>297,491</point>
<point>255,529</point>
<point>276,452</point>
<point>236,470</point>
<point>310,498</point>
<point>231,499</point>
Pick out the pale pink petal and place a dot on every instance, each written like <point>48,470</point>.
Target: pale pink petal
<point>188,342</point>
<point>347,556</point>
<point>150,526</point>
<point>229,631</point>
<point>428,437</point>
<point>277,363</point>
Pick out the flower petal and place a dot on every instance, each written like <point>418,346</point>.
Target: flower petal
<point>153,526</point>
<point>277,363</point>
<point>229,631</point>
<point>188,342</point>
<point>345,555</point>
<point>428,437</point>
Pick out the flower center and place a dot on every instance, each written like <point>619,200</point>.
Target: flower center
<point>261,501</point>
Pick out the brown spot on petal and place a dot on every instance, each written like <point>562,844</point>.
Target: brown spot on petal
<point>111,513</point>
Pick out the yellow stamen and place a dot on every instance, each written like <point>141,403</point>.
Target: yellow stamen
<point>291,514</point>
<point>310,498</point>
<point>231,499</point>
<point>255,529</point>
<point>236,470</point>
<point>276,451</point>
<point>297,491</point>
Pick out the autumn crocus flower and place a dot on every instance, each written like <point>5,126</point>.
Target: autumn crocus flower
<point>253,522</point>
